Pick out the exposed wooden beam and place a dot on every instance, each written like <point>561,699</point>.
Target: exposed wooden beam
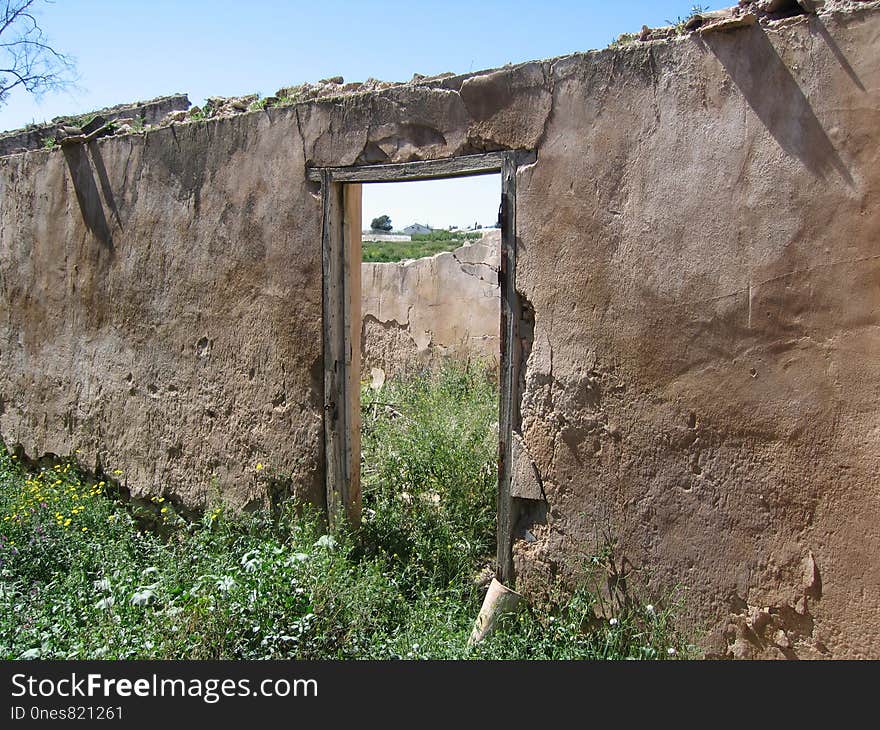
<point>419,170</point>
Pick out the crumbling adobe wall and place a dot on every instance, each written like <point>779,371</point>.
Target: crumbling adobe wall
<point>35,136</point>
<point>699,284</point>
<point>161,309</point>
<point>418,313</point>
<point>699,249</point>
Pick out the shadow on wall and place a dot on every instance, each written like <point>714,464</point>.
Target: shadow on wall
<point>820,28</point>
<point>80,159</point>
<point>774,95</point>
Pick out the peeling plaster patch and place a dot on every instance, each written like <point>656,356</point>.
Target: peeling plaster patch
<point>784,629</point>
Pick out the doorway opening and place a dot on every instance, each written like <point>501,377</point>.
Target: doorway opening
<point>430,350</point>
<point>343,246</point>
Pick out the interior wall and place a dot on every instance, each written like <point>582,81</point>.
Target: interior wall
<point>418,313</point>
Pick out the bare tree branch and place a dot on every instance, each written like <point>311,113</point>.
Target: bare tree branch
<point>27,60</point>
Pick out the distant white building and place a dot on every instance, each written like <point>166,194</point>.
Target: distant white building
<point>417,228</point>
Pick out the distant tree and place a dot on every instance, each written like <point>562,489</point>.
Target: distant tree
<point>26,58</point>
<point>382,223</point>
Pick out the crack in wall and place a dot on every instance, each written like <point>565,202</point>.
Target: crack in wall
<point>548,70</point>
<point>468,268</point>
<point>302,136</point>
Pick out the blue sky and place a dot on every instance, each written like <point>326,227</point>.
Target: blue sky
<point>127,50</point>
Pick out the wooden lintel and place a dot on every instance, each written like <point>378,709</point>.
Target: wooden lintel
<point>463,166</point>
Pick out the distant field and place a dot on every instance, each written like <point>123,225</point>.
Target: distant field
<point>426,244</point>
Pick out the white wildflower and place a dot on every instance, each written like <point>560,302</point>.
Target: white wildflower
<point>296,558</point>
<point>250,561</point>
<point>142,598</point>
<point>326,541</point>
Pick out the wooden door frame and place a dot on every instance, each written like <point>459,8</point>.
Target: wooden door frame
<point>341,249</point>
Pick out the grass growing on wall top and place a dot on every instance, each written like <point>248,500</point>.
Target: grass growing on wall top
<point>82,577</point>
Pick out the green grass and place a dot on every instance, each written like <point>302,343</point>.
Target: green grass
<point>86,574</point>
<point>461,236</point>
<point>422,244</point>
